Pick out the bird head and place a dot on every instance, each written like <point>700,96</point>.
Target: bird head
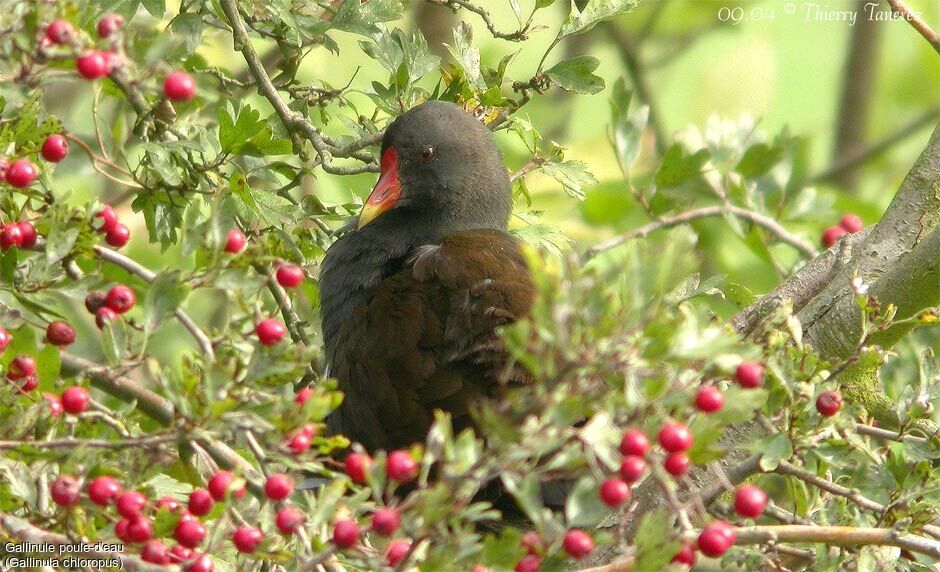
<point>439,167</point>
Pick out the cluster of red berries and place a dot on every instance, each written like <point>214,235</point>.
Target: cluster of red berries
<point>20,234</point>
<point>22,371</point>
<point>107,306</point>
<point>95,64</point>
<point>116,233</point>
<point>850,224</point>
<point>135,525</point>
<point>299,441</point>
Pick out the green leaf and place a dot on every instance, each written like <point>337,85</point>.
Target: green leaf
<point>164,296</point>
<point>678,166</point>
<point>573,176</point>
<point>740,405</point>
<point>467,55</point>
<point>774,449</point>
<point>62,234</point>
<point>627,127</point>
<point>584,507</point>
<point>156,7</point>
<point>48,365</point>
<point>502,550</point>
<point>653,549</point>
<point>527,492</point>
<point>759,159</point>
<point>576,75</point>
<point>580,21</point>
<point>361,18</point>
<point>189,26</point>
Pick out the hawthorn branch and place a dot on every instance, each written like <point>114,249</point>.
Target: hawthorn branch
<point>149,441</point>
<point>23,531</point>
<point>838,536</point>
<point>917,22</point>
<point>517,36</point>
<point>294,122</point>
<point>118,259</point>
<point>853,496</point>
<point>804,247</point>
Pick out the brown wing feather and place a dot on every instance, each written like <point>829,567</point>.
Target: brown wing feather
<point>426,338</point>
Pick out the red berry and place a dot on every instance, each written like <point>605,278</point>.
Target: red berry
<point>180,553</point>
<point>179,86</point>
<point>532,542</point>
<point>303,395</point>
<point>270,331</point>
<point>288,520</point>
<point>104,316</point>
<point>614,492</point>
<point>21,366</point>
<point>219,484</point>
<point>356,466</point>
<point>278,486</point>
<point>309,429</point>
<point>401,467</point>
<point>120,530</point>
<point>686,555</point>
<point>396,551</point>
<point>709,399</point>
<point>55,405</point>
<point>189,533</point>
<point>28,232</point>
<point>92,65</point>
<point>832,235</point>
<point>577,543</point>
<point>131,504</point>
<point>60,32</point>
<point>103,490</point>
<point>140,529</point>
<point>167,503</point>
<point>749,501</point>
<point>677,464</point>
<point>94,300</point>
<point>634,442</point>
<point>851,223</point>
<point>65,491</point>
<point>155,552</point>
<point>290,275</point>
<point>10,236</point>
<point>75,400</point>
<point>5,339</point>
<point>247,538</point>
<point>109,219</point>
<point>236,241</point>
<point>299,443</point>
<point>120,298</point>
<point>750,374</point>
<point>200,502</point>
<point>201,564</point>
<point>529,563</point>
<point>55,148</point>
<point>109,24</point>
<point>118,236</point>
<point>828,403</point>
<point>716,539</point>
<point>21,173</point>
<point>345,533</point>
<point>675,437</point>
<point>385,521</point>
<point>60,333</point>
<point>29,383</point>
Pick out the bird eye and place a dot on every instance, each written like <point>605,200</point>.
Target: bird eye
<point>427,154</point>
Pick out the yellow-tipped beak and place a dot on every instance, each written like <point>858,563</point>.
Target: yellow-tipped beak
<point>386,192</point>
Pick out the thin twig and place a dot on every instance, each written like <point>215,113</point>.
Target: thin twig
<point>294,122</point>
<point>516,36</point>
<point>838,536</point>
<point>118,259</point>
<point>804,247</point>
<point>917,22</point>
<point>148,441</point>
<point>96,159</point>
